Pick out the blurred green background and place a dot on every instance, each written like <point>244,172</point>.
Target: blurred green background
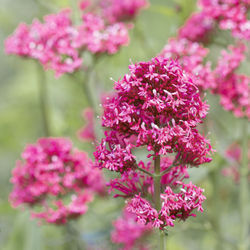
<point>20,123</point>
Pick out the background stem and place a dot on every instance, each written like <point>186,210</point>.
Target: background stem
<point>243,190</point>
<point>157,193</point>
<point>43,99</point>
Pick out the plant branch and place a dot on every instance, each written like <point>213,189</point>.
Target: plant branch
<point>43,99</point>
<point>157,194</point>
<point>243,189</point>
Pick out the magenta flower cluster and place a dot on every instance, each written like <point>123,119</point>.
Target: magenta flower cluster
<point>56,181</point>
<point>233,88</point>
<point>58,44</point>
<point>119,11</point>
<point>202,27</point>
<point>128,233</point>
<point>157,106</point>
<point>174,206</point>
<point>191,56</point>
<point>234,158</point>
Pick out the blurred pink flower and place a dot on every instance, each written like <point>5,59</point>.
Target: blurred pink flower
<point>128,232</point>
<point>173,206</point>
<point>119,11</point>
<point>55,178</point>
<point>87,133</point>
<point>233,154</point>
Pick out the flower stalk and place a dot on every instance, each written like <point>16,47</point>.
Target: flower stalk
<point>43,99</point>
<point>243,192</point>
<point>157,194</point>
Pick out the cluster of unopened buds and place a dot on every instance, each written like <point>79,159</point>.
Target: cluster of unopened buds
<point>157,107</point>
<point>58,44</point>
<point>56,181</point>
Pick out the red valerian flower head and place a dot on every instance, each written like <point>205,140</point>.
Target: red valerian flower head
<point>233,88</point>
<point>56,179</point>
<point>120,11</point>
<point>49,42</point>
<point>159,106</point>
<point>233,154</point>
<point>190,56</point>
<point>197,28</point>
<point>173,206</point>
<point>127,223</point>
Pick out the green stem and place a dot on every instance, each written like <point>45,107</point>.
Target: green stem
<point>157,193</point>
<point>215,211</point>
<point>243,192</point>
<point>73,238</point>
<point>43,99</point>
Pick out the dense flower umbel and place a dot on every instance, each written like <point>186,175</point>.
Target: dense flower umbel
<point>56,179</point>
<point>230,15</point>
<point>99,37</point>
<point>191,55</point>
<point>134,182</point>
<point>57,44</point>
<point>159,106</point>
<point>126,10</point>
<point>49,42</point>
<point>197,28</point>
<point>156,106</point>
<point>174,206</point>
<point>128,232</point>
<point>233,88</point>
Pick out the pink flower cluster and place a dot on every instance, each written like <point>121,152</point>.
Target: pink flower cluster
<point>230,15</point>
<point>197,28</point>
<point>87,133</point>
<point>58,44</point>
<point>128,232</point>
<point>233,88</point>
<point>157,106</point>
<point>160,106</point>
<point>98,37</point>
<point>233,155</point>
<point>174,206</point>
<point>119,11</point>
<point>50,43</point>
<point>191,56</point>
<point>56,179</point>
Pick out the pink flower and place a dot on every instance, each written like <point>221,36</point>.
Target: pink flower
<point>190,56</point>
<point>174,206</point>
<point>158,105</point>
<point>49,42</point>
<point>87,133</point>
<point>233,154</point>
<point>234,89</point>
<point>197,28</point>
<point>97,37</point>
<point>230,15</point>
<point>56,179</point>
<point>119,11</point>
<point>127,223</point>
